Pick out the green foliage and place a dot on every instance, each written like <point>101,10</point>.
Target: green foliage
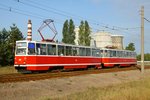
<point>3,46</point>
<point>146,57</point>
<point>81,34</point>
<point>65,32</point>
<point>130,47</point>
<point>71,32</point>
<point>7,44</point>
<point>84,34</point>
<point>68,32</point>
<point>87,34</point>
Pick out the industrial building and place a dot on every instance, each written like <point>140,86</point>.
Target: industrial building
<point>103,40</point>
<point>117,41</point>
<point>76,35</point>
<point>107,40</point>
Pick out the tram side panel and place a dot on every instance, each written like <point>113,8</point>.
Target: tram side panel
<point>79,62</point>
<point>111,62</point>
<point>37,63</point>
<point>47,62</point>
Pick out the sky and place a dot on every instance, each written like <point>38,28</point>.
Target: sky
<point>121,17</point>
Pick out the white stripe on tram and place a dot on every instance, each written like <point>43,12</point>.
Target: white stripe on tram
<point>123,63</point>
<point>59,64</point>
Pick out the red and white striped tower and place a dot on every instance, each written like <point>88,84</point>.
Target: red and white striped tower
<point>29,36</point>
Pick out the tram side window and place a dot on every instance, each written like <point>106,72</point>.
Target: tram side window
<point>118,53</point>
<point>131,54</point>
<point>95,52</point>
<point>61,50</point>
<point>111,53</point>
<point>51,49</point>
<point>75,51</point>
<point>82,51</point>
<point>31,49</point>
<point>121,53</point>
<point>68,51</point>
<point>41,49</point>
<point>101,52</point>
<point>106,53</point>
<point>88,51</point>
<point>114,53</point>
<point>125,55</point>
<point>128,54</point>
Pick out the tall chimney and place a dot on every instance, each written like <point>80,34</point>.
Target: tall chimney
<point>29,36</point>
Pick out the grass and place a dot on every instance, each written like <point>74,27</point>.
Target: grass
<point>7,70</point>
<point>137,90</point>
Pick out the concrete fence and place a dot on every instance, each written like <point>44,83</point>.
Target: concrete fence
<point>145,62</point>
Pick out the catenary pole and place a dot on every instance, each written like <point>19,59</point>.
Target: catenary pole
<point>142,39</point>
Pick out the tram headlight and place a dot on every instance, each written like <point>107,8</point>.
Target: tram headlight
<point>24,62</point>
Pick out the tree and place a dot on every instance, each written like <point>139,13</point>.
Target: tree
<point>130,47</point>
<point>65,32</point>
<point>71,35</point>
<point>146,57</point>
<point>84,34</point>
<point>68,32</point>
<point>87,34</point>
<point>15,34</point>
<point>81,33</point>
<point>3,46</point>
<point>7,44</point>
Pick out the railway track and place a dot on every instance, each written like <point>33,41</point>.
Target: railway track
<point>18,77</point>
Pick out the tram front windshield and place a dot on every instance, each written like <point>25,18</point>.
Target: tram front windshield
<point>21,48</point>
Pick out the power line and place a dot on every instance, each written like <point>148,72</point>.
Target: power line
<point>66,14</point>
<point>147,20</point>
<point>56,11</point>
<point>38,7</point>
<point>26,13</point>
<point>35,15</point>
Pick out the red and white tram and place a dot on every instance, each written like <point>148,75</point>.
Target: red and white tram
<point>39,56</point>
<point>42,56</point>
<point>120,58</point>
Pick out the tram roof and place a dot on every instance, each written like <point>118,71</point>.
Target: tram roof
<point>116,49</point>
<point>64,44</point>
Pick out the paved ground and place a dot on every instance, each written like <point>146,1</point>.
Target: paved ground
<point>34,90</point>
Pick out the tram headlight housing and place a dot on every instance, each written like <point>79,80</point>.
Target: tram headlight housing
<point>24,62</point>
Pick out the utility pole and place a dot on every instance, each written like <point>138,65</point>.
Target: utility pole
<point>142,39</point>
